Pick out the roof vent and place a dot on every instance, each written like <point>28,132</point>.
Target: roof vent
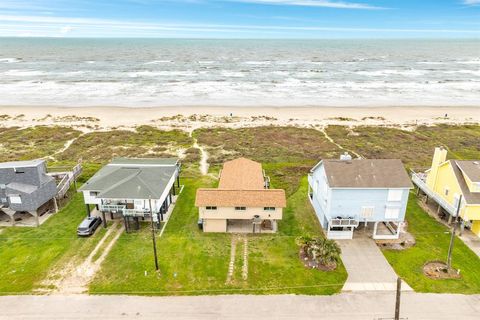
<point>346,157</point>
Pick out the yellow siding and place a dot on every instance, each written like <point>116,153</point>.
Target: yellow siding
<point>472,212</point>
<point>476,227</point>
<point>439,157</point>
<point>446,179</point>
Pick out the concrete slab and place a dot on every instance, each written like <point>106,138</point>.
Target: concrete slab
<point>471,240</point>
<point>367,268</point>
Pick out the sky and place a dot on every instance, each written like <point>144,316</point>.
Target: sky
<point>241,18</point>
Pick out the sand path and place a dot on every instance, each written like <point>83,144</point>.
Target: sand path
<point>74,278</point>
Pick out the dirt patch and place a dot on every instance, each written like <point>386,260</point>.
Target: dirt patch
<point>312,264</point>
<point>438,270</point>
<point>405,241</point>
<point>75,277</point>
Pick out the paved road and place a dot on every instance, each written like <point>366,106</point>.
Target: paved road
<point>367,268</point>
<point>372,305</point>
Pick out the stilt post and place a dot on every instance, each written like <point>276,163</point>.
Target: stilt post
<point>104,219</point>
<point>452,239</point>
<point>87,206</point>
<point>55,204</point>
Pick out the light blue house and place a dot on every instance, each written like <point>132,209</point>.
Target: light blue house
<point>371,193</point>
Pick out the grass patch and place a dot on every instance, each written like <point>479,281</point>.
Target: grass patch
<point>432,242</point>
<point>193,262</point>
<point>27,255</point>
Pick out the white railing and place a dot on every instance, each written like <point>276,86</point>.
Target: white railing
<point>77,170</point>
<point>63,186</point>
<point>112,207</point>
<point>135,213</point>
<point>419,180</point>
<point>123,210</point>
<point>335,223</point>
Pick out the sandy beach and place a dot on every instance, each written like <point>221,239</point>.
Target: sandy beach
<point>189,118</point>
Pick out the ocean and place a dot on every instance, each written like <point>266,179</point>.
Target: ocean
<point>161,72</point>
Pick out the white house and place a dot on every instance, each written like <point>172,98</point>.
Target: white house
<point>129,186</point>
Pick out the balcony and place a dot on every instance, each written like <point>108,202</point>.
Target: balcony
<point>342,223</point>
<point>419,179</point>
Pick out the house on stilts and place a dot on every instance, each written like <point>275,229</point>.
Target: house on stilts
<point>133,189</point>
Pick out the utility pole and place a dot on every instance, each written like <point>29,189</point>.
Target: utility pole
<point>153,234</point>
<point>452,239</point>
<point>397,299</point>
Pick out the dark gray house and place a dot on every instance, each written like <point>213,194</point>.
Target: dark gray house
<point>25,187</point>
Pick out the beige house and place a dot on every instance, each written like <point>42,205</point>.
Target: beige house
<point>242,202</point>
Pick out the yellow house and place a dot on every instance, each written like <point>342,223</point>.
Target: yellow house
<point>456,185</point>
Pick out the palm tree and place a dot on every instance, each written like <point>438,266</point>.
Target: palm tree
<point>323,251</point>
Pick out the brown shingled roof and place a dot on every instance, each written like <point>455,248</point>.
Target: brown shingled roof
<point>241,198</point>
<point>366,173</point>
<point>241,184</point>
<point>241,174</point>
<point>470,197</point>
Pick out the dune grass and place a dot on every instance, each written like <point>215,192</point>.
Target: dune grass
<point>34,142</point>
<point>432,242</point>
<point>145,141</point>
<point>415,148</point>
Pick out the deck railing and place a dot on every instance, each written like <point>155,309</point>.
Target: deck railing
<point>123,210</point>
<point>135,213</point>
<point>112,207</point>
<point>419,179</point>
<point>336,223</point>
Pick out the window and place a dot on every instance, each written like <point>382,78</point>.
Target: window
<point>15,199</point>
<point>447,191</point>
<point>19,170</point>
<point>240,208</point>
<point>395,195</point>
<point>392,213</point>
<point>269,208</point>
<point>93,194</point>
<point>367,212</point>
<point>211,208</point>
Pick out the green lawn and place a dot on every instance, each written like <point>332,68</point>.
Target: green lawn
<point>193,262</point>
<point>27,255</point>
<point>432,241</point>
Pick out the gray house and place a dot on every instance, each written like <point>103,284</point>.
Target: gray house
<point>134,188</point>
<point>25,186</point>
<point>346,193</point>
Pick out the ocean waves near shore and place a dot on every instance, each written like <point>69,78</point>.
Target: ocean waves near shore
<point>127,72</point>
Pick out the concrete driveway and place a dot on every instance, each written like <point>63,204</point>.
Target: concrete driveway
<point>367,268</point>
